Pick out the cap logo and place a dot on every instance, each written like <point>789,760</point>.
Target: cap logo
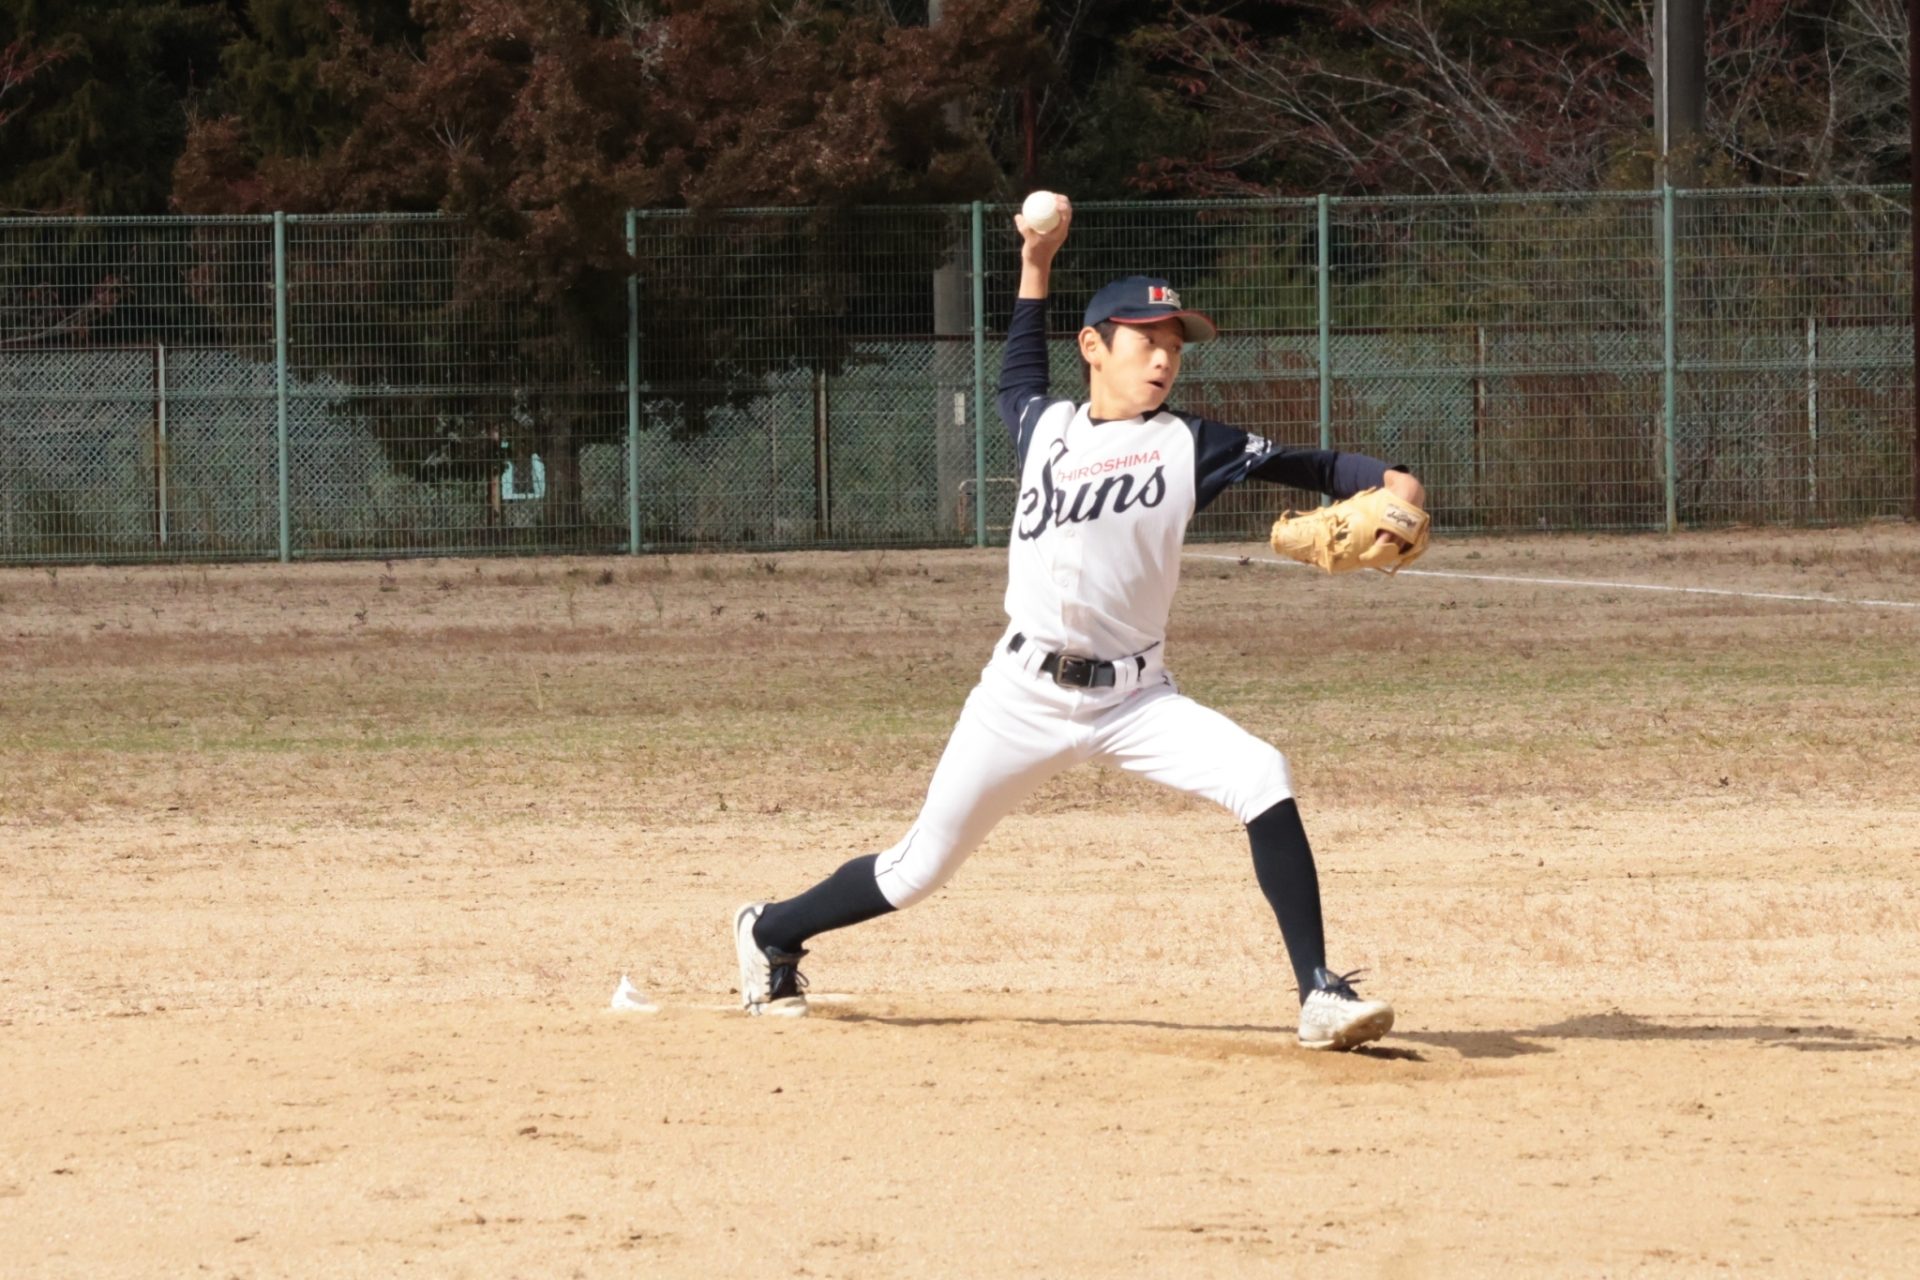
<point>1159,295</point>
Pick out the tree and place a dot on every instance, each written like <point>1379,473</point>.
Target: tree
<point>1102,103</point>
<point>95,105</point>
<point>538,123</point>
<point>1369,96</point>
<point>1871,74</point>
<point>275,71</point>
<point>1469,95</point>
<point>20,62</point>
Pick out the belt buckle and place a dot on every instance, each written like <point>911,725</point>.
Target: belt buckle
<point>1075,672</point>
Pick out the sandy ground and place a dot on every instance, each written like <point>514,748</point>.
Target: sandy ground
<point>314,882</point>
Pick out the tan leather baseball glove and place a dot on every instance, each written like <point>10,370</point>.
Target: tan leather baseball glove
<point>1345,536</point>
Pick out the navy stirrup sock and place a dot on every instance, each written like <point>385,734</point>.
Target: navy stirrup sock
<point>1283,863</point>
<point>848,896</point>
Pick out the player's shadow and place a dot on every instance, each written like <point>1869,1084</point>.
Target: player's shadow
<point>1282,1033</point>
<point>1612,1025</point>
<point>1615,1025</point>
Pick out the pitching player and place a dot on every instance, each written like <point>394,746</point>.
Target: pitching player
<point>1107,488</point>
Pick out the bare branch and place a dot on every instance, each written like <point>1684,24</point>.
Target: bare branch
<point>1393,96</point>
<point>20,62</point>
<point>1407,102</point>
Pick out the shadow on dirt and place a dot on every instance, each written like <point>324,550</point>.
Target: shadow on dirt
<point>1615,1025</point>
<point>1386,1053</point>
<point>963,1020</point>
<point>1612,1025</point>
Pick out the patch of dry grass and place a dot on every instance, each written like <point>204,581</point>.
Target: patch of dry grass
<point>811,682</point>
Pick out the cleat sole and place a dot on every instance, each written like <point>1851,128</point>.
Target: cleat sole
<point>1354,1034</point>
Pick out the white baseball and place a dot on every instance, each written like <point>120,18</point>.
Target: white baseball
<point>1042,211</point>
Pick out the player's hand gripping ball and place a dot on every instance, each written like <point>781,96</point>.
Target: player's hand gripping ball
<point>1042,211</point>
<point>1346,535</point>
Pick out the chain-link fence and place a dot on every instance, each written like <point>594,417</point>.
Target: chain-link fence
<point>290,386</point>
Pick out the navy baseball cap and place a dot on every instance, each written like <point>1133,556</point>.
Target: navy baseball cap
<point>1143,300</point>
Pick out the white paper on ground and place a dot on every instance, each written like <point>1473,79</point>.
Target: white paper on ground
<point>628,998</point>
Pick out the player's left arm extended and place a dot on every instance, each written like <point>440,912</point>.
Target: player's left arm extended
<point>1329,471</point>
<point>1379,522</point>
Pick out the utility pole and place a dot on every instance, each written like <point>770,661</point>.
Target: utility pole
<point>1679,86</point>
<point>953,444</point>
<point>1679,118</point>
<point>1913,248</point>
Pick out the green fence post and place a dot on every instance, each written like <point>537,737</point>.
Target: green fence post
<point>1669,346</point>
<point>979,377</point>
<point>280,377</point>
<point>633,390</point>
<point>1326,327</point>
<point>1325,273</point>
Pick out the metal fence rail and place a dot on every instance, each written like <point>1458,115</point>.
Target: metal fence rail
<point>286,385</point>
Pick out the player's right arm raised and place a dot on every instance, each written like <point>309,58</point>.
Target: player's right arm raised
<point>1038,247</point>
<point>1023,367</point>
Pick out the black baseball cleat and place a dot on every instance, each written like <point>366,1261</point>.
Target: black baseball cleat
<point>771,984</point>
<point>1333,1016</point>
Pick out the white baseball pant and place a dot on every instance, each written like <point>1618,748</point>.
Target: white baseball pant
<point>1020,728</point>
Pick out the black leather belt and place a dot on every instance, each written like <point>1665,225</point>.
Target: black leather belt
<point>1075,672</point>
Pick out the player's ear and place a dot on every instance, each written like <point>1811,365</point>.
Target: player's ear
<point>1092,345</point>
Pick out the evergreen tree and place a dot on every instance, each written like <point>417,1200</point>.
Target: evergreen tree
<point>98,129</point>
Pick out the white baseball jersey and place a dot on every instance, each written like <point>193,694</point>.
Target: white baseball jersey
<point>1094,558</point>
<point>1092,565</point>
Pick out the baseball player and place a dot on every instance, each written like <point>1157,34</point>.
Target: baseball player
<point>1107,488</point>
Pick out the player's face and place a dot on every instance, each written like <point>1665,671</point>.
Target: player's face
<point>1136,374</point>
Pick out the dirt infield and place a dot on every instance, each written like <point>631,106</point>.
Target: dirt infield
<point>314,882</point>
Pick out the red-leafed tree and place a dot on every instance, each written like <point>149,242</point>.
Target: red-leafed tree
<point>539,122</point>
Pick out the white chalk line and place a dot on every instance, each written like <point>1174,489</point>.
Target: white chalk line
<point>1597,583</point>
